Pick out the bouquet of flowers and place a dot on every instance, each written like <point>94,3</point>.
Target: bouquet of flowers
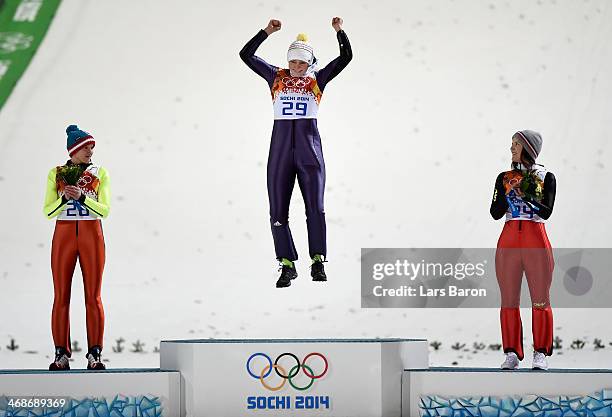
<point>69,174</point>
<point>532,187</point>
<point>527,186</point>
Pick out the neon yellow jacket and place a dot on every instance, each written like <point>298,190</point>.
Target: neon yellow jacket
<point>55,200</point>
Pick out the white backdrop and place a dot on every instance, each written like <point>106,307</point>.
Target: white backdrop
<point>414,132</point>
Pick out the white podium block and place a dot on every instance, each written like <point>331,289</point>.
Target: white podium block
<point>299,377</point>
<point>524,392</point>
<point>116,393</point>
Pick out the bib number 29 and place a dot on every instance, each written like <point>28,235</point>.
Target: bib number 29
<point>294,109</point>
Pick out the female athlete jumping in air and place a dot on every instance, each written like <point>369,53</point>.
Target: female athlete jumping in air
<point>295,148</point>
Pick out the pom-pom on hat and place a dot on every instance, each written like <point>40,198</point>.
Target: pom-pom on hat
<point>77,138</point>
<point>301,50</point>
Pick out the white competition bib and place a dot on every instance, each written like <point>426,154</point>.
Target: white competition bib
<point>74,210</point>
<point>295,97</point>
<point>524,209</point>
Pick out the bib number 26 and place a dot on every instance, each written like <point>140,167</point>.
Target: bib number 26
<point>73,208</point>
<point>294,109</point>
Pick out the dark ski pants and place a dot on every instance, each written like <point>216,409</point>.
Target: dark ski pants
<point>300,158</point>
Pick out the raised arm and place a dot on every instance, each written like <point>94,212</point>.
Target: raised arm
<point>337,65</point>
<point>258,65</point>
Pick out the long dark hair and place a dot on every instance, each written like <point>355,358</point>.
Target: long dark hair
<point>526,160</point>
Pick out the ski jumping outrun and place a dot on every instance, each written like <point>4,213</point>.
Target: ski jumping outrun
<point>525,195</point>
<point>78,194</point>
<point>295,148</point>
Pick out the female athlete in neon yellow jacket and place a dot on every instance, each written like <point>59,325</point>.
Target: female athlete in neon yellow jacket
<point>78,194</point>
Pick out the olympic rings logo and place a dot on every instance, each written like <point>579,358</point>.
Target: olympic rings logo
<point>297,82</point>
<point>84,181</point>
<point>281,372</point>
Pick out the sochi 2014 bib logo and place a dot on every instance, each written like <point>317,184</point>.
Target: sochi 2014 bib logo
<point>287,373</point>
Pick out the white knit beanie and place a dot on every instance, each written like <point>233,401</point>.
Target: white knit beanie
<point>301,50</point>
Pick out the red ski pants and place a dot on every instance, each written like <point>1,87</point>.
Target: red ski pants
<point>523,247</point>
<point>82,240</point>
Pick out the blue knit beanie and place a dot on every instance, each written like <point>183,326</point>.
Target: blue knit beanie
<point>77,138</point>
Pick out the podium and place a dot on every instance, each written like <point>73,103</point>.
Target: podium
<point>293,377</point>
<point>122,392</point>
<point>304,377</point>
<point>494,392</point>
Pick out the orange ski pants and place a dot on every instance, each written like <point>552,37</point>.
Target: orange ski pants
<point>82,240</point>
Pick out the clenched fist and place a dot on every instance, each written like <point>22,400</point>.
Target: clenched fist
<point>337,23</point>
<point>273,26</point>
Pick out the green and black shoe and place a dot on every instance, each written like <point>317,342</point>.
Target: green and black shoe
<point>317,271</point>
<point>288,273</point>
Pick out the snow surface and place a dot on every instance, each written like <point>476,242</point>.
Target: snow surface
<point>414,132</point>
